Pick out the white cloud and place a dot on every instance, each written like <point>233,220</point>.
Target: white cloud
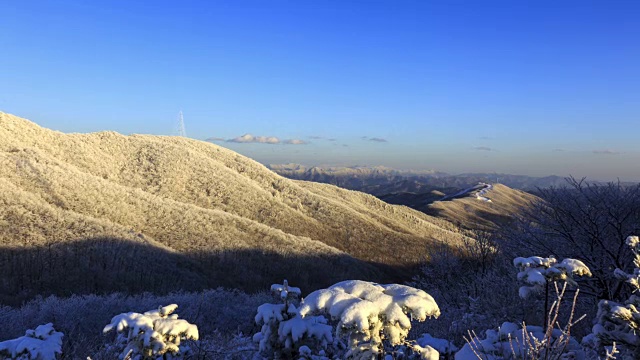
<point>248,138</point>
<point>606,152</point>
<point>376,139</point>
<point>295,142</point>
<point>483,148</point>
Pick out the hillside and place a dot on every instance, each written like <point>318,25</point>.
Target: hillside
<point>80,211</point>
<point>482,206</point>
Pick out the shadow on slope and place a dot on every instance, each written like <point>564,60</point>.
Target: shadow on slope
<point>105,265</point>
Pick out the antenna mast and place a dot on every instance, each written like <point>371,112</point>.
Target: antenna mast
<point>181,130</point>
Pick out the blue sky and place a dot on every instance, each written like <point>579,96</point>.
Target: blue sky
<point>527,87</point>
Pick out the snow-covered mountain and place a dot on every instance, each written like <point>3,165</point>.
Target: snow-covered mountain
<point>482,206</point>
<point>479,206</point>
<point>104,212</point>
<point>379,180</point>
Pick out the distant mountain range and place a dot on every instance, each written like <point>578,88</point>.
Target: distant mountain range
<point>106,212</point>
<point>383,181</point>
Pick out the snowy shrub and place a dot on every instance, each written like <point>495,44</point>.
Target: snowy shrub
<point>444,347</point>
<point>285,333</point>
<point>219,346</point>
<point>43,343</point>
<point>581,220</point>
<point>82,317</point>
<point>370,314</point>
<point>538,272</point>
<point>619,323</point>
<point>154,334</point>
<point>511,342</point>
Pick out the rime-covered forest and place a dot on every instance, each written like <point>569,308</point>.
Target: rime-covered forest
<point>117,246</point>
<point>320,180</point>
<point>559,280</point>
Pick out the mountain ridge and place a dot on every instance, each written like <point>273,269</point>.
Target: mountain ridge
<point>189,197</point>
<point>383,180</point>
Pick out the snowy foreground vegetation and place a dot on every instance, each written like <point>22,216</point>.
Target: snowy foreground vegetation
<point>350,320</point>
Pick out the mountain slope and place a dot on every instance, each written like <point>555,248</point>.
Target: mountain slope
<point>203,209</point>
<point>482,206</point>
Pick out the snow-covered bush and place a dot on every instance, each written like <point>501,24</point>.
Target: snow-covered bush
<point>371,314</point>
<point>619,323</point>
<point>82,317</point>
<point>581,220</point>
<point>156,334</point>
<point>443,346</point>
<point>537,272</point>
<point>549,342</point>
<point>284,333</point>
<point>43,343</point>
<point>511,342</point>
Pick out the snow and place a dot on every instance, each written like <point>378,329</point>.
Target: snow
<point>478,191</point>
<point>426,352</point>
<point>633,241</point>
<point>534,261</point>
<point>480,195</point>
<point>298,327</point>
<point>43,343</point>
<point>619,322</point>
<point>284,290</point>
<point>304,350</point>
<point>269,312</point>
<point>441,345</point>
<point>368,310</point>
<point>536,272</point>
<point>574,267</point>
<point>511,339</point>
<point>532,276</point>
<point>157,331</point>
<point>283,328</point>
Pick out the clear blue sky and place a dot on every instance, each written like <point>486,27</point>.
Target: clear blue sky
<point>527,87</point>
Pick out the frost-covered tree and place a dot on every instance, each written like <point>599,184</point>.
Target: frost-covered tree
<point>43,343</point>
<point>538,273</point>
<point>156,334</point>
<point>513,342</point>
<point>370,315</point>
<point>619,323</point>
<point>284,333</point>
<point>581,220</point>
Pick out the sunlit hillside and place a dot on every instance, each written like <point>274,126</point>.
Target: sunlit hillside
<point>87,209</point>
<point>470,211</point>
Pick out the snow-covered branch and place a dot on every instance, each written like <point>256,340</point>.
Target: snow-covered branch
<point>43,343</point>
<point>153,334</point>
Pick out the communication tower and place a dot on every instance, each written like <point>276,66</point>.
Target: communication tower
<point>181,130</point>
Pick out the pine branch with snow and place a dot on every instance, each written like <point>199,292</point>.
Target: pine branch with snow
<point>537,272</point>
<point>513,342</point>
<point>284,333</point>
<point>156,334</point>
<point>43,343</point>
<point>619,323</point>
<point>370,314</point>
